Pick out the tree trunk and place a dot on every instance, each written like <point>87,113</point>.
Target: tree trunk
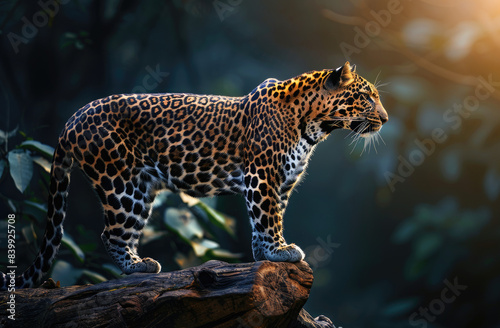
<point>215,294</point>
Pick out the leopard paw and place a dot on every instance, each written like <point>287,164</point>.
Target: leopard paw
<point>150,265</point>
<point>145,265</point>
<point>286,253</point>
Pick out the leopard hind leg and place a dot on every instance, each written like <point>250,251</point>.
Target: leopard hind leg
<point>127,208</point>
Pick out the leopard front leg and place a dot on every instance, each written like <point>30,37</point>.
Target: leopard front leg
<point>266,216</point>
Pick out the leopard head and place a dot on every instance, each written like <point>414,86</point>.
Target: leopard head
<point>318,102</point>
<point>352,103</point>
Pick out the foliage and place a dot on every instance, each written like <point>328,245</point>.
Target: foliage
<point>440,236</point>
<point>20,159</point>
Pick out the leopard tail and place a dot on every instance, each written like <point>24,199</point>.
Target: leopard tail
<point>56,212</point>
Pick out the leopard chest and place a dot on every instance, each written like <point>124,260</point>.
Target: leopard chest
<point>294,165</point>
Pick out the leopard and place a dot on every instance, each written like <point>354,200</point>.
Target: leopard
<point>132,146</point>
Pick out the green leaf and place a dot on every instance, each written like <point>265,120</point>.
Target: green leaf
<point>200,248</point>
<point>21,168</point>
<point>93,276</point>
<point>88,247</point>
<point>38,206</point>
<point>225,254</point>
<point>39,147</point>
<point>6,135</point>
<point>215,217</point>
<point>75,249</point>
<point>37,210</point>
<point>183,223</point>
<point>2,167</point>
<point>11,205</point>
<point>43,162</point>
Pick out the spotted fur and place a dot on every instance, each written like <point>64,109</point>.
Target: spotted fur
<point>133,146</point>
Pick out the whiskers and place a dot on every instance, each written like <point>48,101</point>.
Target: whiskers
<point>356,134</point>
<point>338,122</point>
<point>371,139</point>
<point>378,84</point>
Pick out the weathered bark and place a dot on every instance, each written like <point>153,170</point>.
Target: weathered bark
<point>305,320</point>
<point>215,294</point>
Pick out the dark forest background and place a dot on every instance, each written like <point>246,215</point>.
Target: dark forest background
<point>404,235</point>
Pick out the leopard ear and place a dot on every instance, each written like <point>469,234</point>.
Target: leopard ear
<point>346,76</point>
<point>341,77</point>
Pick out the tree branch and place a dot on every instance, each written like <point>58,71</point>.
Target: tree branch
<point>215,294</point>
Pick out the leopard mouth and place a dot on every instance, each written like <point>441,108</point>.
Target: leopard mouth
<point>364,127</point>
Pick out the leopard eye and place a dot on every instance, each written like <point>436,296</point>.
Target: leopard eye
<point>366,96</point>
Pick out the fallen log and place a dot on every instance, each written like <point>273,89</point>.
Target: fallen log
<point>215,294</point>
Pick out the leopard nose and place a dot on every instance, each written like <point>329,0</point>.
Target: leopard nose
<point>382,114</point>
